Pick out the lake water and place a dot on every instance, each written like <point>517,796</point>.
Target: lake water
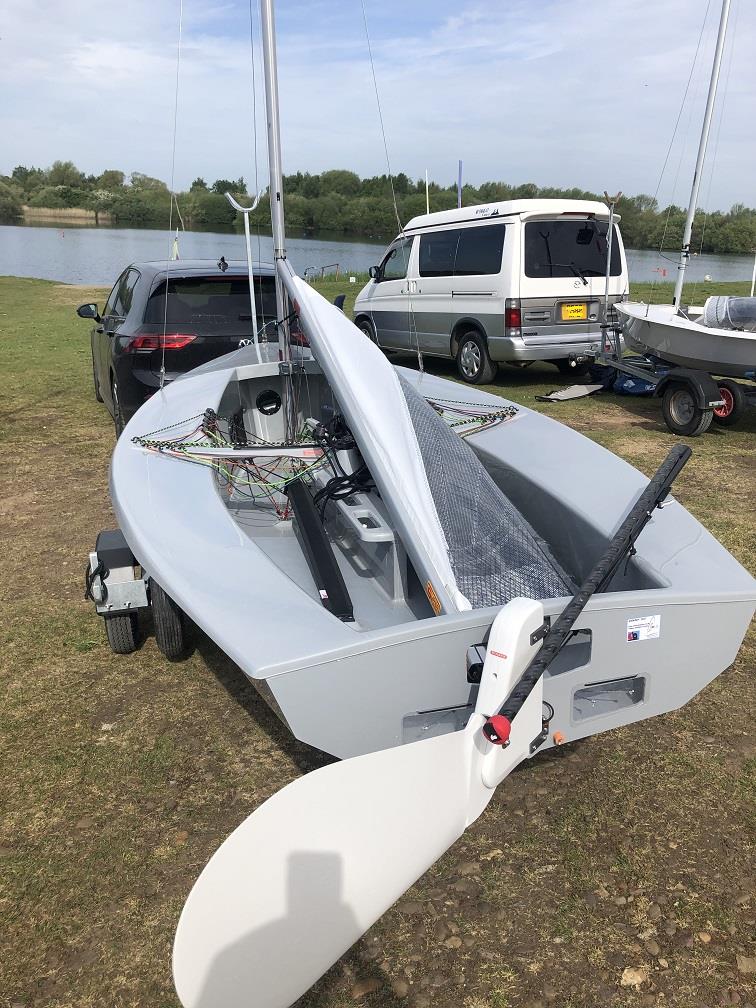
<point>96,256</point>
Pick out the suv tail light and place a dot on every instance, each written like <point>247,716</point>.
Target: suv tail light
<point>512,317</point>
<point>158,341</point>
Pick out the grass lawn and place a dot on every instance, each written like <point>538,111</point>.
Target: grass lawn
<point>631,851</point>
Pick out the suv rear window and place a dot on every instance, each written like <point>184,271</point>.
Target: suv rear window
<point>473,251</point>
<point>567,248</point>
<point>214,303</point>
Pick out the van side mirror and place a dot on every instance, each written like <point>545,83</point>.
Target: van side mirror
<point>374,272</point>
<point>88,311</point>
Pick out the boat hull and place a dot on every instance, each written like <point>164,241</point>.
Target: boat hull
<point>659,331</point>
<point>352,688</point>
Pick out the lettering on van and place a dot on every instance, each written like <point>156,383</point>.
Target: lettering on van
<point>486,212</point>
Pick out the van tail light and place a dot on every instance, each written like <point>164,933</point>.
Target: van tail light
<point>158,341</point>
<point>512,317</point>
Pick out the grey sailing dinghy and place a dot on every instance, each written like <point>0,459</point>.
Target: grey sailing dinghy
<point>686,345</point>
<point>421,578</point>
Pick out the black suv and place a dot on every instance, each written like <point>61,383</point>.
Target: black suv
<point>208,314</point>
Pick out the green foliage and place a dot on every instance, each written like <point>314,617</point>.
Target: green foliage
<point>340,201</point>
<point>50,196</point>
<point>207,209</point>
<point>142,208</point>
<point>140,181</point>
<point>222,186</point>
<point>65,173</point>
<point>111,179</point>
<point>345,183</point>
<point>10,202</point>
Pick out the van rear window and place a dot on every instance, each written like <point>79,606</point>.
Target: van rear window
<point>569,248</point>
<point>474,251</point>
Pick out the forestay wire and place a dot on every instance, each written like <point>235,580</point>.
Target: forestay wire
<point>173,189</point>
<point>411,312</point>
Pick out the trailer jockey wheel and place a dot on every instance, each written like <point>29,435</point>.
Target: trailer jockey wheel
<point>681,412</point>
<point>735,403</point>
<point>170,635</point>
<point>123,632</point>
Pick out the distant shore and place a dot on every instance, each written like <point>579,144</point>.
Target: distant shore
<point>66,215</point>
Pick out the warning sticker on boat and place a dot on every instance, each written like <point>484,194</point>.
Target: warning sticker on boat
<point>643,628</point>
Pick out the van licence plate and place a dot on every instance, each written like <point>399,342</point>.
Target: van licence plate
<point>574,311</point>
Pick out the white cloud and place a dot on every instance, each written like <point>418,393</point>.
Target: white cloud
<point>546,91</point>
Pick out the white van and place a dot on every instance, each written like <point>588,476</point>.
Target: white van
<point>516,281</point>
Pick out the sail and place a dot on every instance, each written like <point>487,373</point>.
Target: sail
<point>371,397</point>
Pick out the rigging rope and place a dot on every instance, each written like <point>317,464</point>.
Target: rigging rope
<point>173,189</point>
<point>380,115</point>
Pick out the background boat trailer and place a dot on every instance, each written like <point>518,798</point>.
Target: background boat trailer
<point>691,399</point>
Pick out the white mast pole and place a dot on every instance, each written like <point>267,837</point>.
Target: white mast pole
<point>427,198</point>
<point>276,196</point>
<point>685,251</point>
<point>246,211</point>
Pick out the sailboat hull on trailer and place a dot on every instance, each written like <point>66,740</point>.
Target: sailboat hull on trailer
<point>660,331</point>
<point>672,620</point>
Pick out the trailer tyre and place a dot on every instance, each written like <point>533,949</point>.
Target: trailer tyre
<point>682,414</point>
<point>123,632</point>
<point>735,403</point>
<point>170,633</point>
<point>474,363</point>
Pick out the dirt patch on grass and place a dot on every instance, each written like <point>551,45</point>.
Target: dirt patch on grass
<point>617,872</point>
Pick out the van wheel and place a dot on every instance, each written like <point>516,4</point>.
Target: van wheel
<point>366,328</point>
<point>566,368</point>
<point>735,403</point>
<point>682,415</point>
<point>473,361</point>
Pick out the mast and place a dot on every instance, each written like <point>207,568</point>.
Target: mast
<point>685,251</point>
<point>270,66</point>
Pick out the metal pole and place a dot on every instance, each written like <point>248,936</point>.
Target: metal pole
<point>276,197</point>
<point>245,211</point>
<point>753,275</point>
<point>427,199</point>
<point>611,202</point>
<point>459,185</point>
<point>697,175</point>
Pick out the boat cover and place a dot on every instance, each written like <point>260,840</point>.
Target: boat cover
<point>481,548</point>
<point>730,313</point>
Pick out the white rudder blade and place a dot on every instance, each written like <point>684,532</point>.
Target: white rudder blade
<point>318,863</point>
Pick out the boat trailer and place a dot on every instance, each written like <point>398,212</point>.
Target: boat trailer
<point>691,399</point>
<point>119,587</point>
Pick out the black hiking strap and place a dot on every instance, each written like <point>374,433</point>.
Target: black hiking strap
<point>319,553</point>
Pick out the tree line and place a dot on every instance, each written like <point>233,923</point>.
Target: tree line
<point>341,201</point>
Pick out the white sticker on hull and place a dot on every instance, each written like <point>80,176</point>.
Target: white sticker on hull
<point>643,628</point>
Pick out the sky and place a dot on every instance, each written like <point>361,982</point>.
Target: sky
<point>547,91</point>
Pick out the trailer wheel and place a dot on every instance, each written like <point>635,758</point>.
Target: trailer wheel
<point>735,403</point>
<point>170,635</point>
<point>122,630</point>
<point>682,415</point>
<point>474,363</point>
